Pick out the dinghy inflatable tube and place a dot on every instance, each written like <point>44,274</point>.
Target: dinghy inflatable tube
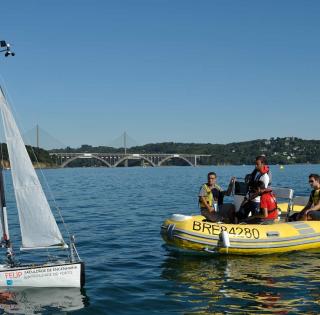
<point>196,234</point>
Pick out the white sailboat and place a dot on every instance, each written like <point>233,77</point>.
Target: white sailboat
<point>39,229</point>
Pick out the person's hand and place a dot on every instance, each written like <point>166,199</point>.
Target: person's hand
<point>212,210</point>
<point>303,212</point>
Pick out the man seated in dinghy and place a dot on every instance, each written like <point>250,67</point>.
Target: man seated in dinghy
<point>311,212</point>
<point>268,212</point>
<point>211,201</point>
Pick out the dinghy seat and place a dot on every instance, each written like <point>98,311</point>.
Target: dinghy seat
<point>299,201</point>
<point>284,195</point>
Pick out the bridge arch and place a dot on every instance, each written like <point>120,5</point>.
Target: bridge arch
<point>175,156</point>
<point>141,157</point>
<point>64,164</point>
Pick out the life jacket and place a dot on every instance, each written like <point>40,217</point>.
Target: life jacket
<point>315,196</point>
<point>250,179</point>
<point>208,198</point>
<point>270,211</point>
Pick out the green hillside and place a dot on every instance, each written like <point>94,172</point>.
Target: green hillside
<point>36,155</point>
<point>288,150</point>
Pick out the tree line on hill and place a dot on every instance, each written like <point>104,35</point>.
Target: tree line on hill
<point>289,150</point>
<point>36,155</point>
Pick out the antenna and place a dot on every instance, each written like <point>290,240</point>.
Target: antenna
<point>5,47</point>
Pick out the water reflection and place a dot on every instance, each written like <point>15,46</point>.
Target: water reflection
<point>268,284</point>
<point>44,300</point>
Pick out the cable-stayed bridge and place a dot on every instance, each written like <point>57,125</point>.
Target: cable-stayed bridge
<point>124,143</point>
<point>63,159</point>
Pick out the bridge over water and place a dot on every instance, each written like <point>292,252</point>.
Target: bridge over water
<point>116,159</point>
<point>124,141</point>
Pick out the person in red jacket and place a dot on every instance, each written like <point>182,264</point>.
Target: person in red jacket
<point>268,205</point>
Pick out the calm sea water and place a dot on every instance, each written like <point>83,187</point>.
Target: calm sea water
<point>116,216</point>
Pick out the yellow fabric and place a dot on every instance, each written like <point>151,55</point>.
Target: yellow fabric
<point>208,198</point>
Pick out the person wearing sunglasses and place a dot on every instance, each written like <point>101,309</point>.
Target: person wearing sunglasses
<point>311,212</point>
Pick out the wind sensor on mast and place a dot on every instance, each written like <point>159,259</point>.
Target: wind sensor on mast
<point>5,47</point>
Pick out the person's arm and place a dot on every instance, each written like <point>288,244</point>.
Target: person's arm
<point>263,213</point>
<point>265,179</point>
<point>253,195</point>
<point>210,209</point>
<point>302,215</point>
<point>314,208</point>
<point>307,206</point>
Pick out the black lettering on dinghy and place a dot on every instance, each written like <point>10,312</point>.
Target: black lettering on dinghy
<point>196,226</point>
<point>239,230</point>
<point>214,229</point>
<point>232,231</point>
<point>206,226</point>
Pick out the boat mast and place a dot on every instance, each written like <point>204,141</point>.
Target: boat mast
<point>3,208</point>
<point>5,47</point>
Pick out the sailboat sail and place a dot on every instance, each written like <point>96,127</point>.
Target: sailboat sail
<point>37,223</point>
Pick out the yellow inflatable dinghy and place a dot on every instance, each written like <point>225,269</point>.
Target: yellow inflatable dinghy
<point>194,233</point>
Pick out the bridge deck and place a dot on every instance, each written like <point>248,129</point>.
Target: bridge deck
<point>115,159</point>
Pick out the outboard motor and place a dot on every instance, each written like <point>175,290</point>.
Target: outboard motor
<point>240,191</point>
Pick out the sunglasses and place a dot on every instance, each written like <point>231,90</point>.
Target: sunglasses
<point>311,181</point>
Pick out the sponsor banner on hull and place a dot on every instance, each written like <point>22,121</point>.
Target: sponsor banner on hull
<point>49,276</point>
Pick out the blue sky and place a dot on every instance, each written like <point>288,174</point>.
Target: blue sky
<point>164,70</point>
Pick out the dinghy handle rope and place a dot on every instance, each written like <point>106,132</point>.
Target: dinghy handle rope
<point>211,251</point>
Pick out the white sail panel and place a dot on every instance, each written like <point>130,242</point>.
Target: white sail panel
<point>37,223</point>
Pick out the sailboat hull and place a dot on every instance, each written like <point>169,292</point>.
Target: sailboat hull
<point>58,275</point>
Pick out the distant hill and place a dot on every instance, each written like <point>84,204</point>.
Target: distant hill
<point>36,155</point>
<point>288,150</point>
